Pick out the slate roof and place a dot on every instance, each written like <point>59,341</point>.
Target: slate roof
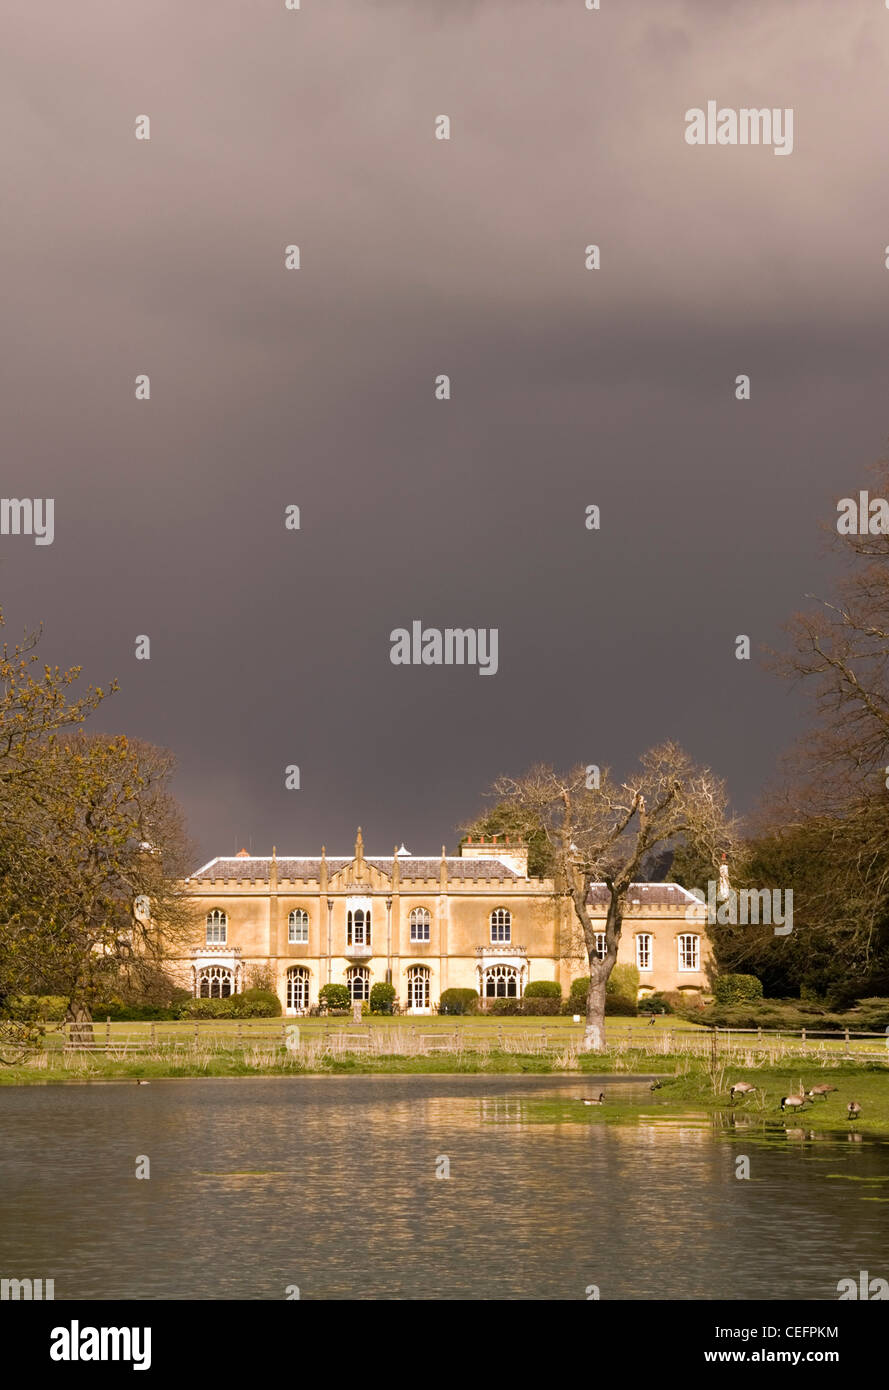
<point>240,867</point>
<point>646,894</point>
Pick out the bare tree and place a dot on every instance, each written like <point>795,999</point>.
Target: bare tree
<point>607,833</point>
<point>841,651</point>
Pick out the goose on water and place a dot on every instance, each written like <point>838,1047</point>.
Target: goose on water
<point>598,1101</point>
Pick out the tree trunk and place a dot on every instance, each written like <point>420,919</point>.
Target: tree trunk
<point>80,1033</point>
<point>594,1032</point>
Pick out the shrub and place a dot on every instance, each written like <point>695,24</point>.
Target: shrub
<point>737,989</point>
<point>580,987</point>
<point>656,1003</point>
<point>257,1003</point>
<point>335,996</point>
<point>457,1001</point>
<point>382,997</point>
<point>624,982</point>
<point>543,989</point>
<point>207,1008</point>
<point>616,1004</point>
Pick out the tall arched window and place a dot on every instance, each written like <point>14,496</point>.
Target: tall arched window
<point>298,926</point>
<point>358,980</point>
<point>298,987</point>
<point>643,950</point>
<point>501,982</point>
<point>358,927</point>
<point>217,927</point>
<point>501,924</point>
<point>418,987</point>
<point>421,923</point>
<point>215,982</point>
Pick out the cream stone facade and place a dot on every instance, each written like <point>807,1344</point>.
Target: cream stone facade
<point>475,920</point>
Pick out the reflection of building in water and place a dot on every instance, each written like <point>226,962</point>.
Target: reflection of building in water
<point>500,1110</point>
<point>474,920</point>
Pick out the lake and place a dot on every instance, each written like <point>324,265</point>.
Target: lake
<point>329,1184</point>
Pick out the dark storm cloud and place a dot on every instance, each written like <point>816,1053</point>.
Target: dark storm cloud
<point>419,257</point>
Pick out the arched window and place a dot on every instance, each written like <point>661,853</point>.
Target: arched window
<point>298,926</point>
<point>501,982</point>
<point>421,922</point>
<point>689,951</point>
<point>358,980</point>
<point>358,927</point>
<point>298,987</point>
<point>643,950</point>
<point>501,924</point>
<point>215,982</point>
<point>217,927</point>
<point>418,987</point>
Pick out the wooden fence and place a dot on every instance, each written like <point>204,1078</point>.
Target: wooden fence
<point>215,1035</point>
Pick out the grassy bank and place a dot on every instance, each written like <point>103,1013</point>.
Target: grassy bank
<point>690,1077</point>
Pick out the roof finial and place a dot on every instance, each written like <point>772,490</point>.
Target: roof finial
<point>359,846</point>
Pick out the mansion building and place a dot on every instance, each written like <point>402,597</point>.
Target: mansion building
<point>475,920</point>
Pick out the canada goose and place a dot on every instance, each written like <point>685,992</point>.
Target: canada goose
<point>793,1102</point>
<point>143,1083</point>
<point>820,1090</point>
<point>655,1086</point>
<point>742,1087</point>
<point>596,1102</point>
<point>854,1109</point>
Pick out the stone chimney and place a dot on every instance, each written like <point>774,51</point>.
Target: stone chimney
<point>509,848</point>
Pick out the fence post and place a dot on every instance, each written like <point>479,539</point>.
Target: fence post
<point>238,1032</point>
<point>803,1035</point>
<point>151,1033</point>
<point>759,1034</point>
<point>107,1031</point>
<point>847,1040</point>
<point>284,1033</point>
<point>543,1035</point>
<point>195,1032</point>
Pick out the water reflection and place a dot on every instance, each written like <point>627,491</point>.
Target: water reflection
<point>330,1183</point>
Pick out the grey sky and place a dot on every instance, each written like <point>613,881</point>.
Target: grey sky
<point>315,387</point>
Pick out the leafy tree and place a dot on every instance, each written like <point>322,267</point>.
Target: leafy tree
<point>95,854</point>
<point>506,819</point>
